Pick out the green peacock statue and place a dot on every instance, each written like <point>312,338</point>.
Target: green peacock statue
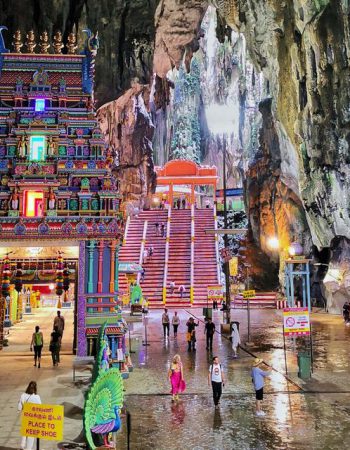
<point>102,408</point>
<point>102,353</point>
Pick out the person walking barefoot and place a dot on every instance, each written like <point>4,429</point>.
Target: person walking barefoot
<point>175,321</point>
<point>29,396</point>
<point>55,346</point>
<point>165,323</point>
<point>216,379</point>
<point>37,345</point>
<point>235,339</point>
<point>258,376</point>
<point>176,377</point>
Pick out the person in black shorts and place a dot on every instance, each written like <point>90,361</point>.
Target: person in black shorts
<point>258,376</point>
<point>37,345</point>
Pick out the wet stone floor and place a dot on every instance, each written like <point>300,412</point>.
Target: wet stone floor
<point>296,418</point>
<point>311,415</point>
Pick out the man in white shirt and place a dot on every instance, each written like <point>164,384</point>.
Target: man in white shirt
<point>217,380</point>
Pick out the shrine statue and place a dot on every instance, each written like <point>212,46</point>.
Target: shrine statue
<point>22,147</point>
<point>44,43</point>
<point>40,77</point>
<point>51,147</point>
<point>30,42</point>
<point>17,42</point>
<point>57,43</point>
<point>52,199</point>
<point>15,199</point>
<point>71,44</point>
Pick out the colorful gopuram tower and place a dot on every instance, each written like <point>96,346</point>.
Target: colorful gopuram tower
<point>56,172</point>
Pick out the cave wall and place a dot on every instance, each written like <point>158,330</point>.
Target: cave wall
<point>128,129</point>
<point>126,30</point>
<point>302,49</point>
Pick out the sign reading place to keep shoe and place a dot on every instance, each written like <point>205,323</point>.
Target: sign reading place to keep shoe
<point>42,421</point>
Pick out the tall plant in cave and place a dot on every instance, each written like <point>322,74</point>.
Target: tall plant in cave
<point>186,139</point>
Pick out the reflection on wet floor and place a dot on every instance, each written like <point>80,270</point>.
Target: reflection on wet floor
<point>295,420</point>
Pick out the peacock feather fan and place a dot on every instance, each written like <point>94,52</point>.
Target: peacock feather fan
<point>102,406</point>
<point>99,351</point>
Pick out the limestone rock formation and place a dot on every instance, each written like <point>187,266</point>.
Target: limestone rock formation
<point>178,29</point>
<point>337,280</point>
<point>126,31</point>
<point>128,128</point>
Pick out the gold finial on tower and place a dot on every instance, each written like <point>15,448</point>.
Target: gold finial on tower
<point>71,44</point>
<point>30,42</point>
<point>57,43</point>
<point>17,42</point>
<point>44,43</point>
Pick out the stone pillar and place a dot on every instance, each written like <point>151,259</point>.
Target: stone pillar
<point>100,247</point>
<point>90,282</point>
<point>112,264</point>
<point>81,307</point>
<point>116,268</point>
<point>192,194</point>
<point>171,194</point>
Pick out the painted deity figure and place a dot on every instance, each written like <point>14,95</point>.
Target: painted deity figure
<point>22,147</point>
<point>41,77</point>
<point>17,42</point>
<point>15,199</point>
<point>30,42</point>
<point>62,84</point>
<point>19,85</point>
<point>57,43</point>
<point>52,199</point>
<point>51,147</point>
<point>71,44</point>
<point>44,43</point>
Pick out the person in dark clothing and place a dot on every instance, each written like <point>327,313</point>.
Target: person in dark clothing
<point>191,334</point>
<point>183,202</point>
<point>178,203</point>
<point>162,229</point>
<point>346,312</point>
<point>209,331</point>
<point>156,225</point>
<point>55,346</point>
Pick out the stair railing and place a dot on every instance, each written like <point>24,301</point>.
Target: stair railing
<point>166,262</point>
<point>218,270</point>
<point>192,256</point>
<point>143,243</point>
<point>126,229</point>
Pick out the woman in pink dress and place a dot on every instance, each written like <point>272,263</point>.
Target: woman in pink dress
<point>176,377</point>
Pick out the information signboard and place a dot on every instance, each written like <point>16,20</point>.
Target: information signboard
<point>215,292</point>
<point>249,294</point>
<point>42,421</point>
<point>233,265</point>
<point>296,322</point>
<point>225,254</point>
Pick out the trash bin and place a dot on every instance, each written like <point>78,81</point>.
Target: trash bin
<point>304,365</point>
<point>237,323</point>
<point>208,312</point>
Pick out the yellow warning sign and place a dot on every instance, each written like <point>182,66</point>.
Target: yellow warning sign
<point>233,265</point>
<point>249,294</point>
<point>42,421</point>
